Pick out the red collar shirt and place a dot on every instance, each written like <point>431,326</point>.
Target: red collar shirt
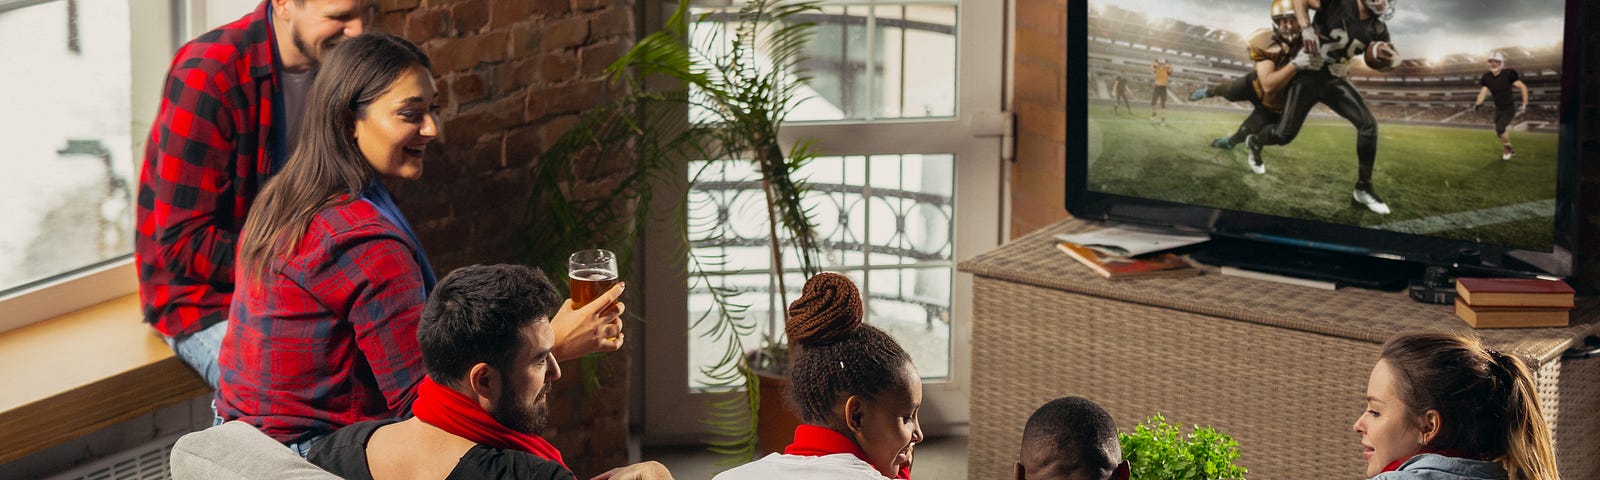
<point>207,156</point>
<point>329,337</point>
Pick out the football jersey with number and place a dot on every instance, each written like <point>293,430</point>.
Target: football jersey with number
<point>1342,34</point>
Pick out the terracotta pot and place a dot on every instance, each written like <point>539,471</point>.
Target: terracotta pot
<point>776,419</point>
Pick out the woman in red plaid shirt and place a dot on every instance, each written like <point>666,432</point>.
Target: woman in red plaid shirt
<point>331,279</point>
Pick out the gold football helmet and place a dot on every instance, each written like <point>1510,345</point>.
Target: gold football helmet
<point>1284,22</point>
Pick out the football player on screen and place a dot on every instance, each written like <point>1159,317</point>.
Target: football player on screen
<point>1163,71</point>
<point>1499,80</point>
<point>1120,91</point>
<point>1341,30</point>
<point>1278,56</point>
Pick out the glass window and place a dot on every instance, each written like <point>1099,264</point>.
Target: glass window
<point>68,167</point>
<point>888,60</point>
<point>884,220</point>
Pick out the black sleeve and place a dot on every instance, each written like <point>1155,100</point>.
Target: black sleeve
<point>344,452</point>
<point>493,464</point>
<point>1483,80</point>
<point>1513,78</point>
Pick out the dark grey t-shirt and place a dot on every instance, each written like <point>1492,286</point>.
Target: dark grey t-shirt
<point>344,453</point>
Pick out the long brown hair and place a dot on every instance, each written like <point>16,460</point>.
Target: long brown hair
<point>327,168</point>
<point>1487,401</point>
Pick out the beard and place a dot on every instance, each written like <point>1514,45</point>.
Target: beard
<point>315,57</point>
<point>530,417</point>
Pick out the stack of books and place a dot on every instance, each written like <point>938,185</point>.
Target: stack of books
<point>1513,302</point>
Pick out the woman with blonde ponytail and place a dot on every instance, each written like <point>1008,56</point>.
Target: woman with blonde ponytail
<point>1441,406</point>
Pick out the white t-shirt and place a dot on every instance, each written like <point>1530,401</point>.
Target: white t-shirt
<point>777,466</point>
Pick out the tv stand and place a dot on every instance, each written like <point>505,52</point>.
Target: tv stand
<point>1281,368</point>
<point>1342,268</point>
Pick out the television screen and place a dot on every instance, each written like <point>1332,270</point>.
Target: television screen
<point>1427,119</point>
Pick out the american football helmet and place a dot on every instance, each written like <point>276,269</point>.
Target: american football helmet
<point>1384,9</point>
<point>1284,23</point>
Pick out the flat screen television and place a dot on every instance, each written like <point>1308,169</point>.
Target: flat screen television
<point>1441,187</point>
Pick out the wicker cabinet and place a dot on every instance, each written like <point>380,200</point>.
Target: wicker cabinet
<point>1281,368</point>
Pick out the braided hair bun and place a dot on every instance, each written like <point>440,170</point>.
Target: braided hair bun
<point>829,308</point>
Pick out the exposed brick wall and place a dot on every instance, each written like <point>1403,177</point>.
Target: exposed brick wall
<point>1038,179</point>
<point>513,75</point>
<point>1038,176</point>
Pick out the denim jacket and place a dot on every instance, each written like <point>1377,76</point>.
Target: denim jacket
<point>1430,466</point>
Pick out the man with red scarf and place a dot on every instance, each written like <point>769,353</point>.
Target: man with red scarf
<point>486,344</point>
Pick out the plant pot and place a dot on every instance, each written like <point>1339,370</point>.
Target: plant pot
<point>776,420</point>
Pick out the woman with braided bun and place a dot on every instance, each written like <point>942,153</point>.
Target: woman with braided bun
<point>855,388</point>
<point>1441,406</point>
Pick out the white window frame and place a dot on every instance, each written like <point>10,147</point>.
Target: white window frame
<point>156,28</point>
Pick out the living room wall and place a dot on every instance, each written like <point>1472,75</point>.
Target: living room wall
<point>1038,176</point>
<point>513,76</point>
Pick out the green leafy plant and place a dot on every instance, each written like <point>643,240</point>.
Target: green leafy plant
<point>1157,450</point>
<point>745,79</point>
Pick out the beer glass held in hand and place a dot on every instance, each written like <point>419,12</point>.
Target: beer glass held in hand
<point>589,274</point>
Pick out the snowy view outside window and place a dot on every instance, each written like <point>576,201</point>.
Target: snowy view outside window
<point>67,173</point>
<point>886,221</point>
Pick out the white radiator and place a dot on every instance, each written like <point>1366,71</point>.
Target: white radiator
<point>145,462</point>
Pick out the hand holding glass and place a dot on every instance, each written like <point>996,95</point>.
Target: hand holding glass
<point>589,274</point>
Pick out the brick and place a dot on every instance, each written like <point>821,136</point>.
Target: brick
<point>470,16</point>
<point>613,22</point>
<point>453,54</point>
<point>521,146</point>
<point>484,157</point>
<point>492,47</point>
<point>393,5</point>
<point>468,87</point>
<point>492,117</point>
<point>595,58</point>
<point>551,7</point>
<point>525,42</point>
<point>423,25</point>
<point>564,99</point>
<point>566,33</point>
<point>558,67</point>
<point>440,164</point>
<point>552,130</point>
<point>503,13</point>
<point>392,23</point>
<point>587,5</point>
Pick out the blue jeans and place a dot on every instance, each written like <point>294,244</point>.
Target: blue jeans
<point>200,351</point>
<point>303,447</point>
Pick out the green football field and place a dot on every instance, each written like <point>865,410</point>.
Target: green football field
<point>1439,181</point>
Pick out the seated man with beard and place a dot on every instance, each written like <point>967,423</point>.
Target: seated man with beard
<point>485,337</point>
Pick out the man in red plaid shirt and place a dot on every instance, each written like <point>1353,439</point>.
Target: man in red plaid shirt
<point>229,118</point>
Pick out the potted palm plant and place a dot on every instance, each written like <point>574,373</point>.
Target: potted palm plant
<point>740,84</point>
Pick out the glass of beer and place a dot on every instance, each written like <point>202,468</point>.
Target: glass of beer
<point>589,274</point>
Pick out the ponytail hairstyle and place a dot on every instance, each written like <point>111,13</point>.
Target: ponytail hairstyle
<point>327,168</point>
<point>1487,401</point>
<point>836,355</point>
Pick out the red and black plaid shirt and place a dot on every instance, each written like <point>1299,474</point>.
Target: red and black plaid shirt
<point>328,337</point>
<point>206,159</point>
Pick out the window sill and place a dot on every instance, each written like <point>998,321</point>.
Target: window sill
<point>83,371</point>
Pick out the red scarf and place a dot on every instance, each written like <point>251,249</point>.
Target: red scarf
<point>453,412</point>
<point>1395,465</point>
<point>814,441</point>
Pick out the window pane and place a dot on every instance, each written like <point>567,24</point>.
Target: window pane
<point>885,61</point>
<point>66,187</point>
<point>889,230</point>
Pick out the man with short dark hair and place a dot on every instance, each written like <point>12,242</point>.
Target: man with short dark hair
<point>486,344</point>
<point>1071,438</point>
